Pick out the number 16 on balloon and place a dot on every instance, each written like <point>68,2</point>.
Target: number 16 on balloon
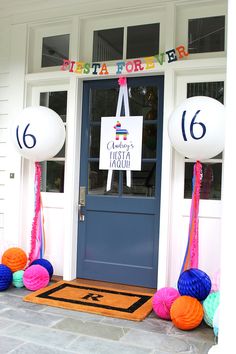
<point>38,133</point>
<point>24,136</point>
<point>196,128</point>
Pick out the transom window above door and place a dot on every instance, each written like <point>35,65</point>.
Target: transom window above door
<point>126,42</point>
<point>206,34</point>
<point>54,50</point>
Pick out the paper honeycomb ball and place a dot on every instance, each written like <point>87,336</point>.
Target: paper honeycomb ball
<point>35,277</point>
<point>194,282</point>
<point>216,322</point>
<point>215,281</point>
<point>5,277</point>
<point>44,263</point>
<point>186,312</point>
<point>15,258</point>
<point>210,305</point>
<point>17,280</point>
<point>162,301</point>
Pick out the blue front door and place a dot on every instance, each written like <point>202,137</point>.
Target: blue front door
<point>118,234</point>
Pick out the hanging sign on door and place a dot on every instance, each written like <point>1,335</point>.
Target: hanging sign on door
<point>121,143</point>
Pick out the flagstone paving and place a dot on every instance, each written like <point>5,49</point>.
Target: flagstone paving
<point>27,328</point>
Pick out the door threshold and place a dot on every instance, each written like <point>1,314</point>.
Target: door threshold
<point>104,284</point>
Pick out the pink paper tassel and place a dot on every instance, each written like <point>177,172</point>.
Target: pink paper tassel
<point>36,231</point>
<point>191,254</point>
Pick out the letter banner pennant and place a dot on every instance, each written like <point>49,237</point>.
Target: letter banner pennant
<point>121,141</point>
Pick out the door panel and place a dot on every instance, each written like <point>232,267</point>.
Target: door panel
<point>118,230</point>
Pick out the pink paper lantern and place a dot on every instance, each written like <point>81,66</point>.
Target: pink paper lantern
<point>162,301</point>
<point>215,282</point>
<point>35,277</point>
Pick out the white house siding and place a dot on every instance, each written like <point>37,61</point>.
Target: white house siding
<point>4,118</point>
<point>60,211</point>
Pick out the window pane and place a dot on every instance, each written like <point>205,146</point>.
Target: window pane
<point>210,189</point>
<point>149,141</point>
<point>54,50</point>
<point>52,176</point>
<point>206,34</point>
<point>143,40</point>
<point>94,141</point>
<point>61,153</point>
<point>143,101</point>
<point>53,171</point>
<point>57,101</point>
<point>108,44</point>
<point>142,182</point>
<point>98,180</point>
<point>103,103</point>
<point>210,89</point>
<point>210,184</point>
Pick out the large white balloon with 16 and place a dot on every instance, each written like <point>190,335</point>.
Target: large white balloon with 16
<point>38,133</point>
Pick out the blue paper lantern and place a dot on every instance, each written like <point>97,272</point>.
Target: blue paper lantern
<point>44,263</point>
<point>5,277</point>
<point>194,282</point>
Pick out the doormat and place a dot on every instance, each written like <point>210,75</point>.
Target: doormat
<point>103,301</point>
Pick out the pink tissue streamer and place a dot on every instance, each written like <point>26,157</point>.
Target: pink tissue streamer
<point>191,254</point>
<point>37,230</point>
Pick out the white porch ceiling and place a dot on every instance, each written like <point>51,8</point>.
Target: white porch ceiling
<point>14,7</point>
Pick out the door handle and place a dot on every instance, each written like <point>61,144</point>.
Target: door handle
<point>82,195</point>
<point>82,202</point>
<point>81,213</point>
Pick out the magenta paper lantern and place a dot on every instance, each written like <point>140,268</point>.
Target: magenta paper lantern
<point>35,277</point>
<point>162,301</point>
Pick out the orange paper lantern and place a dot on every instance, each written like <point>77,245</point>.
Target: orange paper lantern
<point>14,258</point>
<point>186,312</point>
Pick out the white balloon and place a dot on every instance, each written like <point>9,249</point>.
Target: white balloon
<point>196,128</point>
<point>38,133</point>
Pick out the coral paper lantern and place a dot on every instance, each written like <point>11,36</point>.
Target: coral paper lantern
<point>15,258</point>
<point>186,312</point>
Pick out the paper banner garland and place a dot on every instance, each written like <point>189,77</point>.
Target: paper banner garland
<point>125,67</point>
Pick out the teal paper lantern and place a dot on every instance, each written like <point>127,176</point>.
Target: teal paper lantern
<point>210,305</point>
<point>17,280</point>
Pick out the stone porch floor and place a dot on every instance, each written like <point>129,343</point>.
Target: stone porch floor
<point>27,328</point>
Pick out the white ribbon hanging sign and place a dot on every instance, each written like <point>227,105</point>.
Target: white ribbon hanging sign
<point>121,140</point>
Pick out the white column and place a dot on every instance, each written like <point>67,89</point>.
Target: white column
<point>227,341</point>
<point>14,207</point>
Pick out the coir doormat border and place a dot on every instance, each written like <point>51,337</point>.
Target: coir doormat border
<point>137,311</point>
